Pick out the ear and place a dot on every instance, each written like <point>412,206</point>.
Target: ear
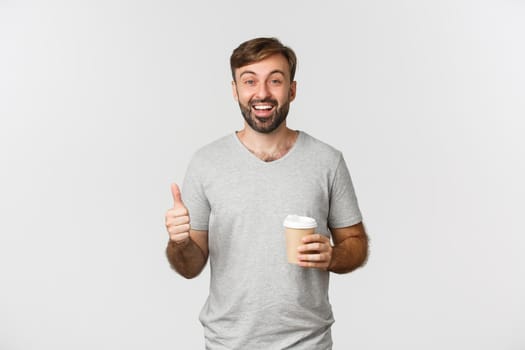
<point>293,90</point>
<point>234,91</point>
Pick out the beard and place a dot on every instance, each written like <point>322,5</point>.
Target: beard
<point>268,124</point>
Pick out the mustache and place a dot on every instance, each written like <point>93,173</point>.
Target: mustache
<point>266,100</point>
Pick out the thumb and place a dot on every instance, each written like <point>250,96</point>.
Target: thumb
<point>177,200</point>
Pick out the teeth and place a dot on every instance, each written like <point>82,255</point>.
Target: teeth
<point>262,107</point>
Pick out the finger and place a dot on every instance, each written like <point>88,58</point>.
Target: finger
<point>177,220</point>
<point>173,212</point>
<point>315,247</point>
<point>179,237</point>
<point>317,237</point>
<point>173,230</point>
<point>315,265</point>
<point>321,257</point>
<point>177,199</point>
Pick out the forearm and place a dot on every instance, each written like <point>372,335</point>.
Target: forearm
<point>349,254</point>
<point>186,258</point>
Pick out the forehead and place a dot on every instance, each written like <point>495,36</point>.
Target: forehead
<point>267,66</point>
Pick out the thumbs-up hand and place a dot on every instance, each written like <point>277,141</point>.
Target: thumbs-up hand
<point>178,218</point>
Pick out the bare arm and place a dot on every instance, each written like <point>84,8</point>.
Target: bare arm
<point>187,249</point>
<point>350,249</point>
<point>189,257</point>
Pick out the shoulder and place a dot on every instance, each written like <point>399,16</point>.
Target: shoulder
<point>320,151</point>
<point>215,151</point>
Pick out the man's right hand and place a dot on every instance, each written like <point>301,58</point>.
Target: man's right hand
<point>178,218</point>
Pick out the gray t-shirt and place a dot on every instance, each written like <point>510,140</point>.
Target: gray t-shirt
<point>257,299</point>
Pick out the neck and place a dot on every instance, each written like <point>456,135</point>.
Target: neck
<point>270,146</point>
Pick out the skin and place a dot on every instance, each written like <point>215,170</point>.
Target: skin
<point>183,238</point>
<point>268,83</point>
<point>265,134</point>
<point>266,80</point>
<point>317,252</point>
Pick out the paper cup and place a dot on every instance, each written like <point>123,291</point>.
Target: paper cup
<point>295,228</point>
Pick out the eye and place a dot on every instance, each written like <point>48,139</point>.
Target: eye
<point>249,82</point>
<point>275,81</point>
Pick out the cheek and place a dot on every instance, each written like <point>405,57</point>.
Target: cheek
<point>245,98</point>
<point>235,94</point>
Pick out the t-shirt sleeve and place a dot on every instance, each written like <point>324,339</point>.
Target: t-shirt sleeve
<point>194,197</point>
<point>344,209</point>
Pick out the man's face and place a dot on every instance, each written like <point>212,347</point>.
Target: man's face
<point>264,92</point>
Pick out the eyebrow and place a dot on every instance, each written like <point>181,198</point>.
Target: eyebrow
<point>272,72</point>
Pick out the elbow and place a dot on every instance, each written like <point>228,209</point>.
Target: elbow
<point>349,255</point>
<point>364,253</point>
<point>186,271</point>
<point>187,274</point>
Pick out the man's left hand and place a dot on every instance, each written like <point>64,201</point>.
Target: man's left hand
<point>315,252</point>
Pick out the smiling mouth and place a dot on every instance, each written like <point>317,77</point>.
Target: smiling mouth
<point>262,107</point>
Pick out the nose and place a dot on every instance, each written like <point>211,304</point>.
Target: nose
<point>262,91</point>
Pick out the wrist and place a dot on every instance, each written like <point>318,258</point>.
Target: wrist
<point>178,245</point>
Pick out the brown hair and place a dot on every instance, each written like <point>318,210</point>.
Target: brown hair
<point>258,49</point>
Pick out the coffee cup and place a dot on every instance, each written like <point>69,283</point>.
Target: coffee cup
<point>296,227</point>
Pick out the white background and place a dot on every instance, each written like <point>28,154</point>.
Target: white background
<point>102,103</point>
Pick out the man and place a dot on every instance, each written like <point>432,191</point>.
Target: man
<point>237,192</point>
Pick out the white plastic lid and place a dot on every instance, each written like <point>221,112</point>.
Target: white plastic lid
<point>296,221</point>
